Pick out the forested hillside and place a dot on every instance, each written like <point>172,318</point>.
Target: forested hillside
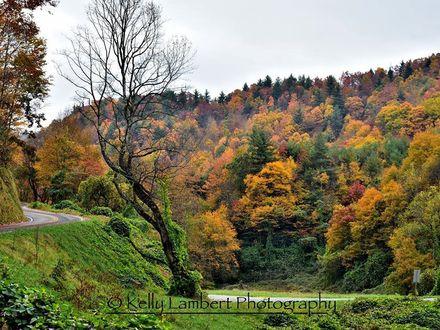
<point>335,177</point>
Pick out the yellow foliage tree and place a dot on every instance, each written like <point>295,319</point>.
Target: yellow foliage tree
<point>269,201</point>
<point>406,258</point>
<point>61,152</point>
<point>213,245</point>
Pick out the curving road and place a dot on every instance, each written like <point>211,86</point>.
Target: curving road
<point>41,218</point>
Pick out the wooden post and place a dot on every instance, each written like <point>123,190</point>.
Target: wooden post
<point>37,238</point>
<point>14,239</point>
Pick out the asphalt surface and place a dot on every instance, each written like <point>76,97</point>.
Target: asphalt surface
<point>216,297</point>
<point>37,218</point>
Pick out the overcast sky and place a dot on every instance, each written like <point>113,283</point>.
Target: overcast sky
<point>240,41</point>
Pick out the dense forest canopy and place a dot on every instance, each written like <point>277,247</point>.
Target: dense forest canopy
<point>290,176</point>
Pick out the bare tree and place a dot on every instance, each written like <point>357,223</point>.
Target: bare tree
<point>121,63</point>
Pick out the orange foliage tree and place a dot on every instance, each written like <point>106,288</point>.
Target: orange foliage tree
<point>213,245</point>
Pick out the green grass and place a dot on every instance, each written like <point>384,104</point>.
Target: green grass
<point>10,210</point>
<point>97,261</point>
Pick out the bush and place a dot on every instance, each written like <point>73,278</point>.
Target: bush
<point>99,191</point>
<point>262,263</point>
<point>39,206</point>
<point>4,270</point>
<point>281,320</point>
<point>363,305</point>
<point>367,275</point>
<point>427,281</point>
<point>328,322</point>
<point>119,226</point>
<point>26,308</point>
<point>377,313</point>
<point>69,205</point>
<point>331,268</point>
<point>59,274</point>
<point>130,212</point>
<point>60,189</point>
<point>424,317</point>
<point>102,210</point>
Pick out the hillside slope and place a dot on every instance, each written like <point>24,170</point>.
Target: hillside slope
<point>83,262</point>
<point>10,210</point>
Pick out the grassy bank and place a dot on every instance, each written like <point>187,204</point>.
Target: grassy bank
<point>82,262</point>
<point>10,210</point>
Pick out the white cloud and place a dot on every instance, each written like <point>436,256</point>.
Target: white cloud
<point>242,40</point>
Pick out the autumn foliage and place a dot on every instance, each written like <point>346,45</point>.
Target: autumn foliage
<point>334,177</point>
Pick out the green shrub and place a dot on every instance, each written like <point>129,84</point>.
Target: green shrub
<point>331,268</point>
<point>4,270</point>
<point>281,320</point>
<point>102,210</point>
<point>69,205</point>
<point>119,226</point>
<point>355,279</point>
<point>23,308</point>
<point>39,206</point>
<point>369,274</point>
<point>268,262</point>
<point>363,305</point>
<point>328,322</point>
<point>59,274</point>
<point>389,313</point>
<point>427,281</point>
<point>60,187</point>
<point>427,317</point>
<point>436,288</point>
<point>130,212</point>
<point>99,191</point>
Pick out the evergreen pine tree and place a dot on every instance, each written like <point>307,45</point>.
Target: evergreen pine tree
<point>318,98</point>
<point>196,99</point>
<point>276,91</point>
<point>267,81</point>
<point>331,86</point>
<point>337,121</point>
<point>401,68</point>
<point>408,71</point>
<point>390,74</point>
<point>207,97</point>
<point>222,98</point>
<point>308,83</point>
<point>245,87</point>
<point>182,99</point>
<point>290,83</point>
<point>319,155</point>
<point>260,150</point>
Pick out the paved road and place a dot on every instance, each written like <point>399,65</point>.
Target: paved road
<point>216,297</point>
<point>41,218</point>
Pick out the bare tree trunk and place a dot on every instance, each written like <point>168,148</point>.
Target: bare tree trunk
<point>123,67</point>
<point>185,282</point>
